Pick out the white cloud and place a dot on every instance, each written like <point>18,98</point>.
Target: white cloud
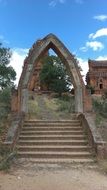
<point>17,60</point>
<point>84,48</point>
<point>99,33</point>
<point>94,45</point>
<point>53,3</point>
<point>84,65</point>
<point>21,51</point>
<point>100,17</point>
<point>102,57</point>
<point>91,35</point>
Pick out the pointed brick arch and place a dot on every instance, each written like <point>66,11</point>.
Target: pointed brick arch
<point>82,99</point>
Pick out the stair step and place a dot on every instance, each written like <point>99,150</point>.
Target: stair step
<point>51,133</point>
<point>52,121</point>
<point>52,124</point>
<point>53,148</point>
<point>52,137</point>
<point>52,142</point>
<point>62,160</point>
<point>52,128</point>
<point>52,154</point>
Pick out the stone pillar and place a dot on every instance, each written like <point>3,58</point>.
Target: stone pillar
<point>24,100</point>
<point>14,101</point>
<point>78,100</point>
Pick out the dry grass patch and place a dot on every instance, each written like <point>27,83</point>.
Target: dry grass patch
<point>51,103</point>
<point>33,108</point>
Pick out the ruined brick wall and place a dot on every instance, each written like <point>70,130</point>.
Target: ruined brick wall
<point>97,76</point>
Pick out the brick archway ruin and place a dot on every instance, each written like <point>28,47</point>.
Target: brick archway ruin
<point>82,98</point>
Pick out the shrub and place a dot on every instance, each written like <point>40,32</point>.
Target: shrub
<point>5,96</point>
<point>3,112</point>
<point>104,96</point>
<point>6,158</point>
<point>67,104</point>
<point>100,107</point>
<point>5,100</point>
<point>67,97</point>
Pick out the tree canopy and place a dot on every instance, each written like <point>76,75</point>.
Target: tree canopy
<point>7,73</point>
<point>54,75</point>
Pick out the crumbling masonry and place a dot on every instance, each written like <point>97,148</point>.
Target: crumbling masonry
<point>30,71</point>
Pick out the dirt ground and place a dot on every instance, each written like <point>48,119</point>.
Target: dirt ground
<point>31,176</point>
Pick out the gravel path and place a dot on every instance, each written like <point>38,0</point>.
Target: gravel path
<point>31,176</point>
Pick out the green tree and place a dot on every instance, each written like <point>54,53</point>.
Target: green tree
<point>54,75</point>
<point>7,73</point>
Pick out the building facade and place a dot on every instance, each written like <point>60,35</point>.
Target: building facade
<point>96,77</point>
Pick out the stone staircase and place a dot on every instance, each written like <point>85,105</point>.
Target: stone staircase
<point>47,141</point>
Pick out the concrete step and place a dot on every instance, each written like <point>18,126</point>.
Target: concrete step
<point>51,137</point>
<point>59,148</point>
<point>51,132</point>
<point>52,128</point>
<point>52,142</point>
<point>62,161</point>
<point>41,154</point>
<point>52,121</point>
<point>51,124</point>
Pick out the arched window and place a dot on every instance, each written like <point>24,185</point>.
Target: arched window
<point>101,86</point>
<point>100,83</point>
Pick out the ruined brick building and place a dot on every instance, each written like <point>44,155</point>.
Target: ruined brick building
<point>97,76</point>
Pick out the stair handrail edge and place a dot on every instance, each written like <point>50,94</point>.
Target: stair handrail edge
<point>95,140</point>
<point>14,130</point>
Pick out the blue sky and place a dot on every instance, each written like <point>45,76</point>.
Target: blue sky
<point>80,24</point>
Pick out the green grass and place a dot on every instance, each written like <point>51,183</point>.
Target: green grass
<point>99,120</point>
<point>66,105</point>
<point>58,107</point>
<point>33,108</point>
<point>100,107</point>
<point>51,103</point>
